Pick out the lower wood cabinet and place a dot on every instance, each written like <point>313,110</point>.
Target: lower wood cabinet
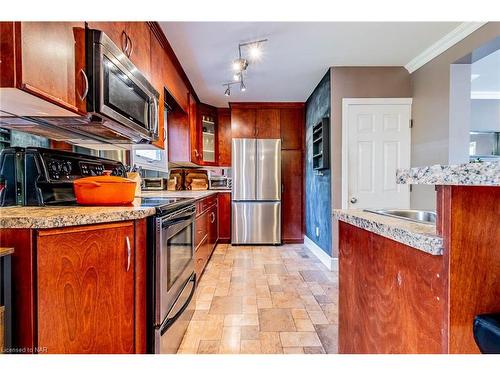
<point>85,279</point>
<point>224,202</point>
<point>83,289</point>
<point>206,232</point>
<point>292,199</point>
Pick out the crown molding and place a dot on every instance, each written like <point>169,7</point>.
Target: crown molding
<point>450,39</point>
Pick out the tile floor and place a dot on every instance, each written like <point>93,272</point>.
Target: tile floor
<point>264,300</point>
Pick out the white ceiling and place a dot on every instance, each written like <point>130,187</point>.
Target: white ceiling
<point>296,56</point>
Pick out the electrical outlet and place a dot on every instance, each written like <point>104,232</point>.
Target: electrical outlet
<point>317,231</point>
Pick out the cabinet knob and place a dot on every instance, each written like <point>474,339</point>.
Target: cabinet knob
<point>354,200</point>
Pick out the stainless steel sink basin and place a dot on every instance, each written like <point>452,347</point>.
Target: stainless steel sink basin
<point>418,216</point>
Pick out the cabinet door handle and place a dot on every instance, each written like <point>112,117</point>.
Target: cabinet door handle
<point>131,46</point>
<point>124,40</point>
<point>129,252</point>
<point>213,217</point>
<point>86,89</point>
<point>196,153</point>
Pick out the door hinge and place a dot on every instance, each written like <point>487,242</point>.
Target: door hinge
<point>411,123</point>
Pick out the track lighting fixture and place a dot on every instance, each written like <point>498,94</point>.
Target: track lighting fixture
<point>240,65</point>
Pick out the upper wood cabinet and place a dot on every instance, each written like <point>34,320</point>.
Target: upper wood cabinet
<point>85,283</point>
<point>224,136</point>
<point>139,35</point>
<point>208,131</point>
<point>255,120</point>
<point>243,122</point>
<point>194,131</point>
<point>267,124</point>
<point>46,59</point>
<point>116,31</point>
<point>292,123</point>
<point>133,38</point>
<point>158,80</point>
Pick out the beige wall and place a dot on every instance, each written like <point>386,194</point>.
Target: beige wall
<point>431,108</point>
<point>358,82</point>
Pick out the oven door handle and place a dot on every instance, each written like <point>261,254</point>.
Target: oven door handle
<point>171,222</point>
<point>174,314</point>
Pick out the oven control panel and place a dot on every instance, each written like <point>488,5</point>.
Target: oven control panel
<point>67,169</point>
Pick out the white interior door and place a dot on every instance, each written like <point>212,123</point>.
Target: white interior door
<point>378,142</point>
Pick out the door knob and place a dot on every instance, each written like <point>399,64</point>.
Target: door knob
<point>354,200</point>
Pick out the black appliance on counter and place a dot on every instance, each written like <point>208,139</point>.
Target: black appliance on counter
<point>172,280</point>
<point>38,176</point>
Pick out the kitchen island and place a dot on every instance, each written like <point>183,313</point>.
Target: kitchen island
<point>415,288</point>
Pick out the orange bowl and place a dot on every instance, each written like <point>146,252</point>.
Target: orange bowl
<point>104,191</point>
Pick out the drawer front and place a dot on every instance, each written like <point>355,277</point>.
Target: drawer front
<point>201,257</point>
<point>201,229</point>
<point>205,203</point>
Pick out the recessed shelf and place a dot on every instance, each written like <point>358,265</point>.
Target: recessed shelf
<point>321,145</point>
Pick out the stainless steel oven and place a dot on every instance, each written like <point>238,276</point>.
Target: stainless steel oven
<point>118,91</point>
<point>174,280</point>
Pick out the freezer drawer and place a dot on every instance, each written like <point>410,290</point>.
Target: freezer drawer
<point>256,223</point>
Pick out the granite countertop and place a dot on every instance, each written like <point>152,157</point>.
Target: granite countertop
<point>473,174</point>
<point>196,194</point>
<point>420,236</point>
<point>65,216</point>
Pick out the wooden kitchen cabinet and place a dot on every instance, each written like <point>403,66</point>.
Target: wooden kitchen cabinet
<point>194,131</point>
<point>85,278</point>
<point>79,292</point>
<point>224,137</point>
<point>292,199</point>
<point>46,59</point>
<point>224,217</point>
<point>158,74</point>
<point>292,128</point>
<point>213,226</point>
<point>206,232</point>
<point>243,122</point>
<point>133,38</point>
<point>139,35</point>
<point>255,120</point>
<point>116,31</point>
<point>208,134</point>
<point>267,123</point>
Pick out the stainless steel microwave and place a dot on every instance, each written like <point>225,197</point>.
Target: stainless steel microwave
<point>118,91</point>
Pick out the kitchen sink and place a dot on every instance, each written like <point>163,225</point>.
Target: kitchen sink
<point>418,216</point>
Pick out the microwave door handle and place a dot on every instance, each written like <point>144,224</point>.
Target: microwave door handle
<point>156,110</point>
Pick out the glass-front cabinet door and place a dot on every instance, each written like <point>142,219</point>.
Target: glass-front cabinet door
<point>208,127</point>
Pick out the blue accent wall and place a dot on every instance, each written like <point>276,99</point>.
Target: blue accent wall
<point>318,186</point>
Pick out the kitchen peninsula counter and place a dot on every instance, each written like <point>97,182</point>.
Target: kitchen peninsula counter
<point>419,302</point>
<point>420,236</point>
<point>65,216</point>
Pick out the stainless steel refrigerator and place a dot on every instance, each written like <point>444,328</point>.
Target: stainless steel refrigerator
<point>256,195</point>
